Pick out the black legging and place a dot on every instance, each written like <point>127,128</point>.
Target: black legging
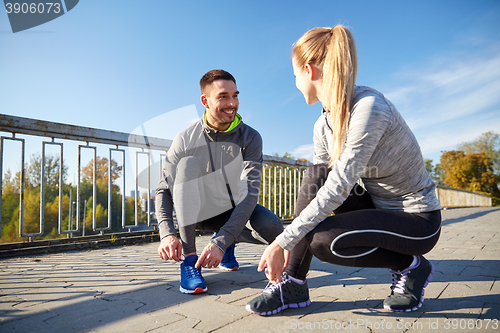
<point>362,235</point>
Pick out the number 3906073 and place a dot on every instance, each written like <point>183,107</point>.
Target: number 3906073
<point>470,324</point>
<point>32,8</point>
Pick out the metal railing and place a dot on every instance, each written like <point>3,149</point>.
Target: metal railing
<point>49,132</point>
<point>281,178</point>
<point>279,186</point>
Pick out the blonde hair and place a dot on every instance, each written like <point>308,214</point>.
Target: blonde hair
<point>334,51</point>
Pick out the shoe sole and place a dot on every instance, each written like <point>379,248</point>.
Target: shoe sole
<point>228,269</point>
<point>281,308</point>
<point>198,290</point>
<point>429,278</point>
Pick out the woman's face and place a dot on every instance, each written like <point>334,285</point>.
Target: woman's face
<point>304,82</point>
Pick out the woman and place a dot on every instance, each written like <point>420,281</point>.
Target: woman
<point>360,135</point>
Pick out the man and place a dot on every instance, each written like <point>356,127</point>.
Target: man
<point>212,175</point>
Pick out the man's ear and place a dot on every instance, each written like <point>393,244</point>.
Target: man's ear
<point>204,100</point>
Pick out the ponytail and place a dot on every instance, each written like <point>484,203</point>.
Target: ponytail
<point>333,50</point>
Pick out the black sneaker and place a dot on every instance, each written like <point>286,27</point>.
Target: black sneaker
<point>278,297</point>
<point>408,287</point>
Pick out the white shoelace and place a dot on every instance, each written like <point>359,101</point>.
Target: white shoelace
<point>271,287</point>
<point>399,287</point>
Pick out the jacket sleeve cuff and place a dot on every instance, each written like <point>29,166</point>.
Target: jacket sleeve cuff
<point>281,240</point>
<point>222,242</point>
<point>166,229</point>
<point>212,242</point>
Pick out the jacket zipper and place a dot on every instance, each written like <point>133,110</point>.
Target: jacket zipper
<point>221,166</point>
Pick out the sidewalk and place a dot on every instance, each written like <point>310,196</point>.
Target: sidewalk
<point>130,289</point>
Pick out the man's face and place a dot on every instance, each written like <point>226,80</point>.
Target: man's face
<point>221,102</point>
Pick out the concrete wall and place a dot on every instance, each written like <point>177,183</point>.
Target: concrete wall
<point>451,197</point>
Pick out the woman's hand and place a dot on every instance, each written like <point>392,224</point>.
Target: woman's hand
<point>275,260</point>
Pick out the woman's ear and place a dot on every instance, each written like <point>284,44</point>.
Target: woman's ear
<point>313,72</point>
<point>308,69</point>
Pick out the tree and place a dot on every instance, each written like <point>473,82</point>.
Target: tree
<point>472,172</point>
<point>101,215</point>
<point>11,194</point>
<point>102,170</point>
<point>9,185</point>
<point>488,143</point>
<point>31,213</point>
<point>86,192</point>
<point>51,170</point>
<point>436,172</point>
<point>10,203</point>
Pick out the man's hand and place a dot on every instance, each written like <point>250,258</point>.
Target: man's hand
<point>210,257</point>
<point>170,248</point>
<point>275,260</point>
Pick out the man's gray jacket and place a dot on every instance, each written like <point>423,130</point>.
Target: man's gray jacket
<point>231,165</point>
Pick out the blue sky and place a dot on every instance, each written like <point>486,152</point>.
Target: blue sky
<point>118,64</point>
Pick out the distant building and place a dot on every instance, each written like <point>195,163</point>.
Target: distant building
<point>145,203</point>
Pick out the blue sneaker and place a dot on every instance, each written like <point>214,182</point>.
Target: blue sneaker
<point>191,280</point>
<point>229,262</point>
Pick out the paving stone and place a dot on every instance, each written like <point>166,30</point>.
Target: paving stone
<point>256,323</point>
<point>92,314</point>
<point>8,310</point>
<point>130,289</point>
<point>141,322</point>
<point>491,310</point>
<point>460,309</point>
<point>28,324</point>
<point>460,290</point>
<point>152,299</point>
<point>187,325</point>
<point>219,314</point>
<point>495,287</point>
<point>230,293</point>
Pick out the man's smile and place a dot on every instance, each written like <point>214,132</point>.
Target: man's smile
<point>231,111</point>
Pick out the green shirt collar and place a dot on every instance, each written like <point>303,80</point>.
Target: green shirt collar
<point>236,121</point>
